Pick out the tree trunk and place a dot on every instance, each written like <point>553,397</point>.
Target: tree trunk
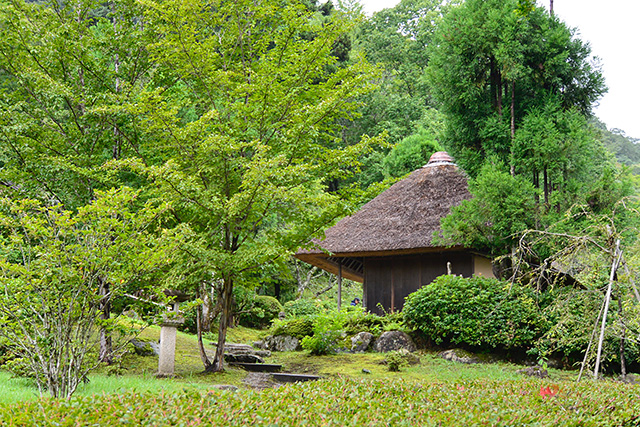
<point>536,184</point>
<point>546,186</point>
<point>513,122</point>
<point>106,345</point>
<point>551,7</point>
<point>496,87</point>
<point>225,319</point>
<point>203,353</point>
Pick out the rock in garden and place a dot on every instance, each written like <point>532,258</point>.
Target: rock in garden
<point>534,371</point>
<point>393,341</point>
<point>361,342</point>
<point>282,343</point>
<point>228,387</point>
<point>143,348</point>
<point>459,355</point>
<point>236,348</point>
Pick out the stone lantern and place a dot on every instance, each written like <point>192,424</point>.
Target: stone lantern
<point>168,333</point>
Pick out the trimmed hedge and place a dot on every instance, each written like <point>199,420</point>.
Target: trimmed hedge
<point>478,312</point>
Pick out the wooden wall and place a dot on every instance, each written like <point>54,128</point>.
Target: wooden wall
<point>388,280</point>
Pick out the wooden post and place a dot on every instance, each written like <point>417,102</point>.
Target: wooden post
<point>339,284</point>
<point>617,255</point>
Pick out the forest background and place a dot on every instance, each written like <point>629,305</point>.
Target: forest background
<point>195,145</point>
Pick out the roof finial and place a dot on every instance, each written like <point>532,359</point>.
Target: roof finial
<point>440,158</point>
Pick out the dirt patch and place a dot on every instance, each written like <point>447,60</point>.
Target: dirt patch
<point>259,381</point>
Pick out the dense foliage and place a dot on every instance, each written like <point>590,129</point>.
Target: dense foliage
<point>57,272</point>
<point>260,312</point>
<point>351,402</point>
<point>249,122</point>
<point>493,63</point>
<point>478,312</point>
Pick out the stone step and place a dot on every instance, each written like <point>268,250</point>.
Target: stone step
<point>258,367</point>
<point>293,378</point>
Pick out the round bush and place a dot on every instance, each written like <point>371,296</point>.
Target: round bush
<point>262,311</point>
<point>478,312</point>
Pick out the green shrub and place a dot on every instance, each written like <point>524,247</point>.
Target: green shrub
<point>259,312</point>
<point>304,307</point>
<point>476,311</point>
<point>395,360</point>
<point>20,367</point>
<point>327,331</point>
<point>299,327</point>
<point>190,318</point>
<point>360,321</point>
<point>347,402</point>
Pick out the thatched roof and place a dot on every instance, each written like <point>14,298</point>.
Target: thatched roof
<point>401,219</point>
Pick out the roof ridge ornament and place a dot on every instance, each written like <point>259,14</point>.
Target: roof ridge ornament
<point>440,158</point>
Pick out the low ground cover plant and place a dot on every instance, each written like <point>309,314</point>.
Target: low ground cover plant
<point>353,402</point>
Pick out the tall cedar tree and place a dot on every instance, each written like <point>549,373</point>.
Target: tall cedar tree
<point>494,61</point>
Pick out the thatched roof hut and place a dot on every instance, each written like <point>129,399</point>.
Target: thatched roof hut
<point>390,238</point>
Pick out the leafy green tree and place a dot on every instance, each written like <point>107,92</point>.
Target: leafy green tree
<point>52,264</point>
<point>410,154</point>
<point>501,208</point>
<point>395,39</point>
<point>63,66</point>
<point>246,129</point>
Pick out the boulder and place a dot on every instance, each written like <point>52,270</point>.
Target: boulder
<point>227,387</point>
<point>260,345</point>
<point>282,343</point>
<point>402,357</point>
<point>459,355</point>
<point>361,342</point>
<point>534,371</point>
<point>630,379</point>
<point>144,348</point>
<point>238,349</point>
<point>393,341</point>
